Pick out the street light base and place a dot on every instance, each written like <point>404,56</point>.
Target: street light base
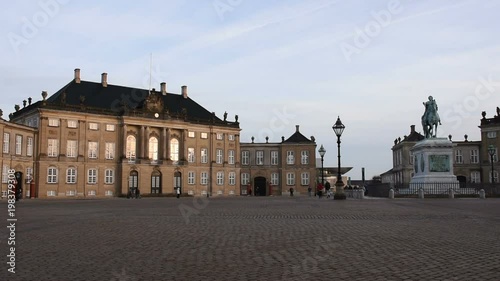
<point>339,196</point>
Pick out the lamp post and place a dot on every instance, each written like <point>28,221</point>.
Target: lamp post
<point>322,152</point>
<point>338,128</point>
<point>491,152</point>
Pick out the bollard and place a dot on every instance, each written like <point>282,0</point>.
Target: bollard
<point>361,194</point>
<point>451,193</point>
<point>421,193</point>
<point>391,193</point>
<point>482,194</point>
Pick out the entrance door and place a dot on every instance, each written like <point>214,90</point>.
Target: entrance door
<point>177,181</point>
<point>156,182</point>
<point>133,180</point>
<point>259,186</point>
<point>19,185</point>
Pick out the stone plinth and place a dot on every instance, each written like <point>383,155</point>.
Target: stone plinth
<point>433,162</point>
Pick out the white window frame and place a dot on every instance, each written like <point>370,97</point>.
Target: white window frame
<point>204,135</point>
<point>290,178</point>
<point>459,158</point>
<point>110,150</point>
<point>191,134</point>
<point>93,126</point>
<point>219,156</point>
<point>71,150</point>
<point>109,176</point>
<point>53,148</point>
<point>72,124</point>
<point>204,178</point>
<point>259,157</point>
<point>230,156</point>
<point>304,157</point>
<point>5,173</point>
<point>220,136</point>
<point>6,142</point>
<point>92,176</point>
<point>231,178</point>
<point>245,157</point>
<point>191,155</point>
<point>52,174</point>
<point>474,156</point>
<point>230,137</point>
<point>153,144</point>
<point>304,178</point>
<point>29,174</point>
<point>93,150</point>
<point>204,155</point>
<point>29,146</point>
<point>220,178</point>
<point>274,157</point>
<point>495,176</point>
<point>110,127</point>
<point>174,150</point>
<point>290,158</point>
<point>19,145</point>
<point>475,177</point>
<point>53,122</point>
<point>131,148</point>
<point>275,179</point>
<point>191,177</point>
<point>245,178</point>
<point>71,175</point>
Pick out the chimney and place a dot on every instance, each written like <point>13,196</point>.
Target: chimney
<point>104,79</point>
<point>184,90</point>
<point>163,87</point>
<point>297,128</point>
<point>412,129</point>
<point>77,75</point>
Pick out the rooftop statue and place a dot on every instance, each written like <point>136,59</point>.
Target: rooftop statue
<point>430,119</point>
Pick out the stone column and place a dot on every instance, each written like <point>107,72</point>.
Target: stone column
<point>184,144</point>
<point>141,143</point>
<point>164,144</point>
<point>124,148</point>
<point>167,144</point>
<point>146,142</point>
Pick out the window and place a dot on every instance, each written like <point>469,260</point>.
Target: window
<point>191,154</point>
<point>458,156</point>
<point>411,157</point>
<point>274,157</point>
<point>29,146</point>
<point>259,157</point>
<point>131,147</point>
<point>232,178</point>
<point>5,173</point>
<point>304,157</point>
<point>230,137</point>
<point>204,155</point>
<point>290,160</point>
<point>93,149</point>
<point>491,135</point>
<point>245,178</point>
<point>71,148</point>
<point>290,179</point>
<point>110,150</point>
<point>304,179</point>
<point>495,156</point>
<point>93,126</point>
<point>274,179</point>
<point>191,178</point>
<point>29,174</point>
<point>245,156</point>
<point>204,135</point>
<point>220,178</point>
<point>495,176</point>
<point>174,150</point>
<point>220,136</point>
<point>203,178</point>
<point>191,134</point>
<point>53,148</point>
<point>110,127</point>
<point>71,175</point>
<point>474,156</point>
<point>475,177</point>
<point>230,156</point>
<point>72,123</point>
<point>52,175</point>
<point>6,142</point>
<point>19,144</point>
<point>153,149</point>
<point>53,122</point>
<point>219,156</point>
<point>109,176</point>
<point>92,176</point>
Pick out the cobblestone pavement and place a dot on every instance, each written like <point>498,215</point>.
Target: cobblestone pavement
<point>251,238</point>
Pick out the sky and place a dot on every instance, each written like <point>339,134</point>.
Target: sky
<point>274,63</point>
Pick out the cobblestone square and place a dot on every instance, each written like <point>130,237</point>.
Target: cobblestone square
<point>254,238</point>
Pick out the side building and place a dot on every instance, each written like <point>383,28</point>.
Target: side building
<point>98,139</point>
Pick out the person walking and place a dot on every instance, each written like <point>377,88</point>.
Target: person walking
<point>320,190</point>
<point>178,192</point>
<point>309,189</point>
<point>328,189</point>
<point>291,191</point>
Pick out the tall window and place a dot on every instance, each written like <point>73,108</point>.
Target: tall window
<point>220,178</point>
<point>204,155</point>
<point>304,179</point>
<point>275,179</point>
<point>474,156</point>
<point>19,144</point>
<point>131,147</point>
<point>232,178</point>
<point>274,157</point>
<point>71,148</point>
<point>92,176</point>
<point>245,178</point>
<point>230,156</point>
<point>110,150</point>
<point>495,176</point>
<point>6,142</point>
<point>245,156</point>
<point>259,157</point>
<point>304,157</point>
<point>5,173</point>
<point>29,146</point>
<point>191,154</point>
<point>203,178</point>
<point>458,156</point>
<point>290,159</point>
<point>52,175</point>
<point>191,177</point>
<point>475,177</point>
<point>109,176</point>
<point>53,148</point>
<point>290,179</point>
<point>153,149</point>
<point>219,156</point>
<point>93,149</point>
<point>71,175</point>
<point>174,150</point>
<point>29,174</point>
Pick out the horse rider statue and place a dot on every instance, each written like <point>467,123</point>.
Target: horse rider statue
<point>430,119</point>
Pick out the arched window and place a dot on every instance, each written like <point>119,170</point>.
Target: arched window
<point>174,150</point>
<point>153,149</point>
<point>131,147</point>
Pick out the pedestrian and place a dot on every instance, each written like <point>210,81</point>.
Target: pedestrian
<point>328,189</point>
<point>291,191</point>
<point>320,190</point>
<point>309,189</point>
<point>178,192</point>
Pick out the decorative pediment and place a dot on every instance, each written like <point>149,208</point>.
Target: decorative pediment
<point>154,102</point>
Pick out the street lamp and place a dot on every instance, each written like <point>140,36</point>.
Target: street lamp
<point>338,128</point>
<point>491,152</point>
<point>322,152</point>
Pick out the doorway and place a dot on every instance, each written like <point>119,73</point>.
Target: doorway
<point>156,182</point>
<point>177,181</point>
<point>259,186</point>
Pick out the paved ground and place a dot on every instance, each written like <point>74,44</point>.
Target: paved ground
<point>249,238</point>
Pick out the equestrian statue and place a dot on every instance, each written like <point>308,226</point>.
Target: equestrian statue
<point>430,119</point>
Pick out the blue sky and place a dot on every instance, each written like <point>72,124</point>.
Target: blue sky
<point>274,63</point>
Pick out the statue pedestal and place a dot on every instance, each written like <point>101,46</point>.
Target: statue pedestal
<point>433,163</point>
